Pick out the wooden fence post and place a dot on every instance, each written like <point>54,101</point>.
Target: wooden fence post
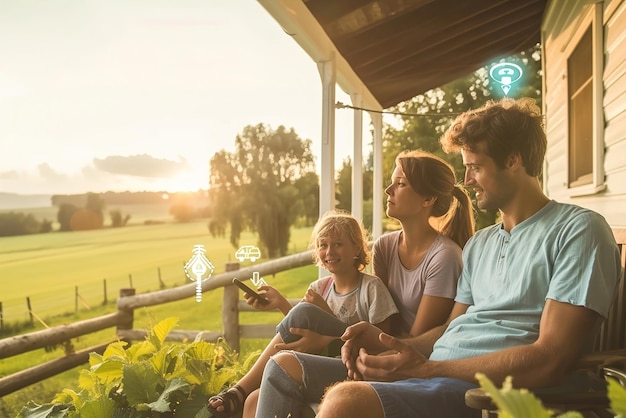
<point>1,318</point>
<point>105,301</point>
<point>30,311</point>
<point>161,284</point>
<point>230,312</point>
<point>128,314</point>
<point>75,299</point>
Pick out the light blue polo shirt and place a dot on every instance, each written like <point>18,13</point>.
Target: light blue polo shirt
<point>563,252</point>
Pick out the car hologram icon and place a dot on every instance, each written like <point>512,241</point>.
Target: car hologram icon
<point>248,252</point>
<point>198,268</point>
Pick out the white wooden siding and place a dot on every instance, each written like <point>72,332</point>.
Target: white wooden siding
<point>562,18</point>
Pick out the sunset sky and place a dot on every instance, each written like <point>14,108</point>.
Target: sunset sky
<point>139,94</point>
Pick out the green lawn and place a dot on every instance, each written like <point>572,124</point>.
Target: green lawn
<point>48,267</point>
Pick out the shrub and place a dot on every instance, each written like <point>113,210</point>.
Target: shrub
<point>148,379</point>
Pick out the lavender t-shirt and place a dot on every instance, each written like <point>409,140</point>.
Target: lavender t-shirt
<point>436,275</point>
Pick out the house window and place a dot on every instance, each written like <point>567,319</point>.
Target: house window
<point>580,92</point>
<point>584,54</point>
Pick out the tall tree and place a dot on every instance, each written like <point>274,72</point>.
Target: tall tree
<point>258,186</point>
<point>64,216</point>
<point>96,204</point>
<point>343,190</point>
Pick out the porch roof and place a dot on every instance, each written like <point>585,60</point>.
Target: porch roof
<point>401,48</point>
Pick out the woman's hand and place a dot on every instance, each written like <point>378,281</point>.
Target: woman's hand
<point>310,341</point>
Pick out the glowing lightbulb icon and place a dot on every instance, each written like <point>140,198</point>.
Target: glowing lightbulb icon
<point>506,73</point>
<point>198,268</point>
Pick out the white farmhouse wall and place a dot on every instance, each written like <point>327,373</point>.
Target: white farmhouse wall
<point>561,20</point>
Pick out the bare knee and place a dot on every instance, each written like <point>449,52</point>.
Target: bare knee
<point>350,399</point>
<point>290,364</point>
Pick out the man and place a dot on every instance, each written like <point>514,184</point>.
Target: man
<point>533,292</point>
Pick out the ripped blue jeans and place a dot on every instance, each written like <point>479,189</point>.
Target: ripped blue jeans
<point>282,397</point>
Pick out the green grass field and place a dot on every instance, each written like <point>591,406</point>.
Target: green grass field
<point>48,267</point>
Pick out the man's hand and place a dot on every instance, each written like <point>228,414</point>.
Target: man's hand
<point>357,336</point>
<point>310,341</point>
<point>400,362</point>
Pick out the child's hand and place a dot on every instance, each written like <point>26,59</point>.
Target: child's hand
<point>274,297</point>
<point>315,298</point>
<point>310,341</point>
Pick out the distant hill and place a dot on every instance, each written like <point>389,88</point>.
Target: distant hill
<point>22,201</point>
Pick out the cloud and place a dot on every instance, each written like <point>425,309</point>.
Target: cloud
<point>50,174</point>
<point>142,165</point>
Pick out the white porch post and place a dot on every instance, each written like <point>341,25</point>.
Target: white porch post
<point>377,195</point>
<point>357,158</point>
<point>327,70</point>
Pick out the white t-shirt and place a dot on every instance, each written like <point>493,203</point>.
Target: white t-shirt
<point>369,301</point>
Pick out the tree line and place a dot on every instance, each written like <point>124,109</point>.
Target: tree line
<point>86,211</point>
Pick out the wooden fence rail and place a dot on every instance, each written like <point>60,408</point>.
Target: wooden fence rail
<point>122,320</point>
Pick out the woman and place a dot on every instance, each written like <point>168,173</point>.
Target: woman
<point>420,264</point>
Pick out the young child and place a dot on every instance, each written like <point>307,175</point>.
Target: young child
<point>330,305</point>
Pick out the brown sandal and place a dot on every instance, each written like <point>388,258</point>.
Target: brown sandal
<point>232,403</point>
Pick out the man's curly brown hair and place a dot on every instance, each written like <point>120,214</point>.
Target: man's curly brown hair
<point>501,128</point>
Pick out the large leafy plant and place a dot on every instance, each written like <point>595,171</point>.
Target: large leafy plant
<point>148,379</point>
<point>521,403</point>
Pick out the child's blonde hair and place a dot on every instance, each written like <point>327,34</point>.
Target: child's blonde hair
<point>341,223</point>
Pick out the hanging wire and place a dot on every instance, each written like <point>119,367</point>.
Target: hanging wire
<point>340,105</point>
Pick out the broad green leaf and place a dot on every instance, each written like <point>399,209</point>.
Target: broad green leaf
<point>201,350</point>
<point>109,371</point>
<point>163,403</point>
<point>67,396</point>
<point>140,351</point>
<point>617,396</point>
<point>140,384</point>
<point>98,408</point>
<point>116,349</point>
<point>196,371</point>
<point>160,331</point>
<point>160,361</point>
<point>48,410</point>
<point>94,358</point>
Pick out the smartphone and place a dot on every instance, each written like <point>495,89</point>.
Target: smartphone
<point>250,291</point>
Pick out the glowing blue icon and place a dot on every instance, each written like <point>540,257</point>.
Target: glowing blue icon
<point>198,268</point>
<point>506,73</point>
<point>248,252</point>
<point>256,280</point>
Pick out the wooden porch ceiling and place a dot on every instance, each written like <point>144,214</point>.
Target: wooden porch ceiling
<point>402,48</point>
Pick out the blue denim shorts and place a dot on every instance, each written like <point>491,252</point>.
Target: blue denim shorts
<point>425,398</point>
